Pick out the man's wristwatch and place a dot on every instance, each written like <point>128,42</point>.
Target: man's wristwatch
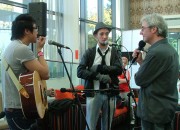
<point>40,53</point>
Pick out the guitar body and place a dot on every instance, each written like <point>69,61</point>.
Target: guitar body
<point>35,106</point>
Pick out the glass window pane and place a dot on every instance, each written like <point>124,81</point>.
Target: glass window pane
<point>54,29</point>
<point>5,39</point>
<point>90,38</point>
<point>92,10</point>
<point>7,15</point>
<point>22,1</point>
<point>174,40</point>
<point>118,37</point>
<point>107,14</point>
<point>56,69</point>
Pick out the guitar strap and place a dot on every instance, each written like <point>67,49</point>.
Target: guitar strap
<point>19,87</point>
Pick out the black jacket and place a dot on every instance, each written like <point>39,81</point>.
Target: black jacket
<point>83,70</point>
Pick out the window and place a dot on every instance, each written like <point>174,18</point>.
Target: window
<point>7,15</point>
<point>174,40</point>
<point>93,11</point>
<point>8,11</point>
<point>107,12</point>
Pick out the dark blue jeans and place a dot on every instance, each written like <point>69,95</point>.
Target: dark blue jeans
<point>17,121</point>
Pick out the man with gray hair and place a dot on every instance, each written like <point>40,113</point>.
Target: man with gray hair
<point>157,76</point>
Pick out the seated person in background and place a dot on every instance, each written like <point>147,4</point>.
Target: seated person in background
<point>124,87</point>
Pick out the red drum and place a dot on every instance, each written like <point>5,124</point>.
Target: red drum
<point>177,121</point>
<point>65,115</point>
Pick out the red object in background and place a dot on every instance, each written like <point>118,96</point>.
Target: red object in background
<point>76,54</point>
<point>63,95</point>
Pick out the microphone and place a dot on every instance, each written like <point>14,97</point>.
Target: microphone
<point>141,45</point>
<point>50,42</point>
<point>63,90</point>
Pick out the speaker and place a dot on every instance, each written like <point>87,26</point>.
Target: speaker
<point>38,10</point>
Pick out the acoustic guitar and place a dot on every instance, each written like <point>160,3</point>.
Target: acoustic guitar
<point>36,105</point>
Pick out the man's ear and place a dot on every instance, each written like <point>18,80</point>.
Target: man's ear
<point>27,31</point>
<point>154,29</point>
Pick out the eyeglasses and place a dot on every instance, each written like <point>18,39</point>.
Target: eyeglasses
<point>143,28</point>
<point>36,28</point>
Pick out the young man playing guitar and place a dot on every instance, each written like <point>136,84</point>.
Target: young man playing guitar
<point>21,59</point>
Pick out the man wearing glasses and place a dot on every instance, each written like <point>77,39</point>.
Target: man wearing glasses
<point>157,76</point>
<point>21,60</point>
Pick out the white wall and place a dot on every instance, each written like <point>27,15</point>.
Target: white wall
<point>124,12</point>
<point>130,41</point>
<point>71,27</point>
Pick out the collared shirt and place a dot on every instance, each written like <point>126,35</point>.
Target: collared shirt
<point>98,59</point>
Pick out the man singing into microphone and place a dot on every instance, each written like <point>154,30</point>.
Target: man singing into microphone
<point>157,76</point>
<point>21,59</point>
<point>100,67</point>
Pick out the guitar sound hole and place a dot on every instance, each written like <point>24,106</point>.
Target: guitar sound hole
<point>43,95</point>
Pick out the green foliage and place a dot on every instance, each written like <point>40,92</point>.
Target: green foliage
<point>174,42</point>
<point>91,41</point>
<point>108,16</point>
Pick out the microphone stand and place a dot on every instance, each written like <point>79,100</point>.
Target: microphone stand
<point>130,94</point>
<point>108,91</point>
<point>108,95</point>
<point>63,90</point>
<point>72,86</point>
<point>111,92</point>
<point>133,97</point>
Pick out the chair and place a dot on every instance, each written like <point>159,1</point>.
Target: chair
<point>3,122</point>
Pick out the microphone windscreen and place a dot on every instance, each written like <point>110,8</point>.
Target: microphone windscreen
<point>63,90</point>
<point>50,42</point>
<point>141,45</point>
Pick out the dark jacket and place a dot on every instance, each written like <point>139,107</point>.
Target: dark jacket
<point>83,70</point>
<point>157,76</point>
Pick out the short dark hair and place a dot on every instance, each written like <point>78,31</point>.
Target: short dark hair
<point>22,22</point>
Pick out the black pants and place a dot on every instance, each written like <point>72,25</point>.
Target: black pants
<point>145,125</point>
